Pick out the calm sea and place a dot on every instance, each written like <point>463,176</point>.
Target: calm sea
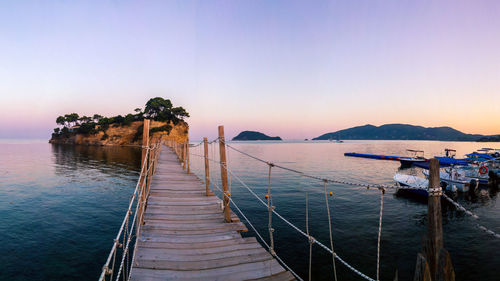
<point>61,206</point>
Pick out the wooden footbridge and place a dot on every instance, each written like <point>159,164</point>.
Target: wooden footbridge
<point>184,231</point>
<point>185,236</point>
<point>175,228</point>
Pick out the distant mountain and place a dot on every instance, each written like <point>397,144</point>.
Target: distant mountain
<point>400,132</point>
<point>252,136</point>
<point>490,139</point>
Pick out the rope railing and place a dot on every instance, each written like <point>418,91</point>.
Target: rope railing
<point>128,230</point>
<point>379,186</point>
<point>325,180</point>
<point>213,182</point>
<point>469,213</point>
<point>329,250</point>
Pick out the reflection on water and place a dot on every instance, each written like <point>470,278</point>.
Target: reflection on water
<point>61,206</point>
<point>355,210</point>
<point>72,158</point>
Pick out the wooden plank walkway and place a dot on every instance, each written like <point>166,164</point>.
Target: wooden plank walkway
<point>185,237</point>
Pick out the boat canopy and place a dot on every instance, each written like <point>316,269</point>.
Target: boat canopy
<point>480,155</point>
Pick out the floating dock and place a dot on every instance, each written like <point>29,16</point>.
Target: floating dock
<point>376,156</point>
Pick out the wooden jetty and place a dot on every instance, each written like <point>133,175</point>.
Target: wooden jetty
<point>186,237</point>
<point>182,231</point>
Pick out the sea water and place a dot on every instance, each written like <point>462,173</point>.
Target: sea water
<point>61,206</point>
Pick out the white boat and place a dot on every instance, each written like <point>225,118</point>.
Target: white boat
<point>415,156</point>
<point>420,184</point>
<point>455,179</point>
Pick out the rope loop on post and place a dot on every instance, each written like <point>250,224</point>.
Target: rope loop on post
<point>106,270</point>
<point>435,191</point>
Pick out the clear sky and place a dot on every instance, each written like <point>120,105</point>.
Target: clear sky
<point>296,69</point>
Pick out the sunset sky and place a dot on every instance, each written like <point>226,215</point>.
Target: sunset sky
<point>296,69</point>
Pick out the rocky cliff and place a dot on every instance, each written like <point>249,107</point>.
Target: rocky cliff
<point>125,135</point>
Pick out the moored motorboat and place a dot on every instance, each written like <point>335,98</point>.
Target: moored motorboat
<point>455,180</point>
<point>416,157</point>
<point>419,184</point>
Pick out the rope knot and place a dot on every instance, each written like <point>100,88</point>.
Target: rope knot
<point>311,239</point>
<point>107,270</point>
<point>118,244</point>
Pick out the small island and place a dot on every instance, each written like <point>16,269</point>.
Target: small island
<point>254,136</point>
<point>167,122</point>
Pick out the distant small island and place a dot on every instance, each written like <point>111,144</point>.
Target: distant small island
<point>404,132</point>
<point>253,136</point>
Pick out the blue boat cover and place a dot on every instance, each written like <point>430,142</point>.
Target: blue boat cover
<point>451,161</point>
<point>443,162</point>
<point>480,155</point>
<point>376,156</point>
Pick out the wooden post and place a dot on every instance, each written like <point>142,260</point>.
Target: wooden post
<point>144,161</point>
<point>207,167</point>
<point>187,157</point>
<point>434,217</point>
<point>184,156</point>
<point>223,173</point>
<point>145,139</point>
<point>435,262</point>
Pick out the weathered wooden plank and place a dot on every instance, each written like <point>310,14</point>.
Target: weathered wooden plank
<point>167,202</point>
<point>235,226</point>
<point>197,245</point>
<point>204,263</point>
<point>237,272</point>
<point>177,217</point>
<point>189,238</point>
<point>200,250</point>
<point>213,259</point>
<point>184,211</point>
<point>192,232</point>
<point>185,236</point>
<point>283,276</point>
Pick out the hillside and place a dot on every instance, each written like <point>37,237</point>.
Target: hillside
<point>124,135</point>
<point>253,136</point>
<point>400,132</point>
<point>490,139</point>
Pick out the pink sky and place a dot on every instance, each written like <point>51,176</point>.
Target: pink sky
<point>293,69</point>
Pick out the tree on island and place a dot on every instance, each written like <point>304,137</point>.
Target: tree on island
<point>157,109</point>
<point>160,109</point>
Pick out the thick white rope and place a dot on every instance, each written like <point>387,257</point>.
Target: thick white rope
<point>125,222</point>
<point>379,232</point>
<point>309,236</point>
<point>296,228</point>
<point>462,208</point>
<point>330,229</point>
<point>113,249</point>
<point>258,234</point>
<point>138,228</point>
<point>270,209</point>
<point>376,186</point>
